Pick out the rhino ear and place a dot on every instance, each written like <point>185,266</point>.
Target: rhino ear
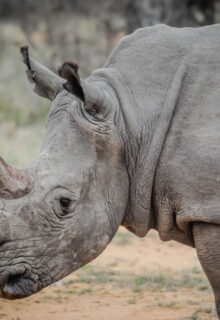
<point>69,71</point>
<point>95,99</point>
<point>47,83</point>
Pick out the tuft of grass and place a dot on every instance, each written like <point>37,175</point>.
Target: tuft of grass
<point>196,270</point>
<point>131,301</point>
<point>169,283</point>
<point>204,310</point>
<point>68,282</point>
<point>84,291</point>
<point>58,298</point>
<point>192,280</point>
<point>96,275</point>
<point>190,302</point>
<point>170,304</point>
<point>123,238</point>
<point>195,316</point>
<point>154,281</point>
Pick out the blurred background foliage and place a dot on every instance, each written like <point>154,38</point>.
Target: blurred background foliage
<point>58,30</point>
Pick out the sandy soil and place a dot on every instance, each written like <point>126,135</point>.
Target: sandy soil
<point>133,279</point>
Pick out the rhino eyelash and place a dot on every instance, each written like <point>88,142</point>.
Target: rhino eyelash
<point>65,202</point>
<point>57,210</point>
<point>65,213</point>
<point>92,115</point>
<point>92,111</point>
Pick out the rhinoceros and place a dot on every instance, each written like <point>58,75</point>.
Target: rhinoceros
<point>136,144</point>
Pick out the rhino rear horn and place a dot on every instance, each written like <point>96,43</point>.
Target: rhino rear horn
<point>47,83</point>
<point>14,183</point>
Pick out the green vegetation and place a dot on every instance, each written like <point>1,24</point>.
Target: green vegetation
<point>93,275</point>
<point>58,298</point>
<point>123,238</point>
<point>195,316</point>
<point>154,281</point>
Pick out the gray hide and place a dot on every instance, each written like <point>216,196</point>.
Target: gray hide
<point>137,143</point>
<point>167,81</point>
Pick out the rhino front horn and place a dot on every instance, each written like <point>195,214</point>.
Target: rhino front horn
<point>14,183</point>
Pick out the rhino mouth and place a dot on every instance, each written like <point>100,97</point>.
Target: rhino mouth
<point>17,286</point>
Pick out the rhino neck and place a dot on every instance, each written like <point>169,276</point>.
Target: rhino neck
<point>147,92</point>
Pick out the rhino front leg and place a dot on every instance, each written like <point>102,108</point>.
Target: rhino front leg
<point>207,242</point>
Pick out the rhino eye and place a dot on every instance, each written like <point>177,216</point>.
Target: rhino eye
<point>92,112</point>
<point>65,202</point>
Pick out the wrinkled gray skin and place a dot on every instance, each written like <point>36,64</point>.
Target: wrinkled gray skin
<point>142,150</point>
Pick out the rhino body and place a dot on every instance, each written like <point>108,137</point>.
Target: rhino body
<point>136,144</point>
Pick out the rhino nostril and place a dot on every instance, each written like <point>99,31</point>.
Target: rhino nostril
<point>12,280</point>
<point>12,289</point>
<point>2,242</point>
<point>18,285</point>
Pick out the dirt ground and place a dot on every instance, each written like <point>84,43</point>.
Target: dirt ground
<point>134,279</point>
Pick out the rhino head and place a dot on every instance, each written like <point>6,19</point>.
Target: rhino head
<point>70,201</point>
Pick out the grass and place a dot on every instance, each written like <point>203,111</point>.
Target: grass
<point>93,275</point>
<point>123,238</point>
<point>195,316</point>
<point>160,281</point>
<point>204,310</point>
<point>131,301</point>
<point>84,291</point>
